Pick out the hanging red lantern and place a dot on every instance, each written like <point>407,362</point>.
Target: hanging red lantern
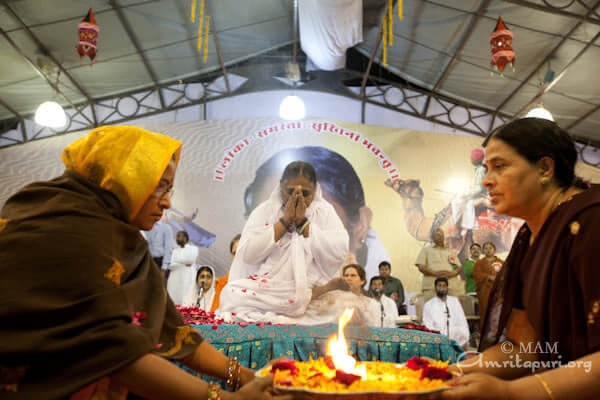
<point>88,36</point>
<point>501,44</point>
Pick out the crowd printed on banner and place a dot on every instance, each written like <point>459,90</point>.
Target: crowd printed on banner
<point>314,127</point>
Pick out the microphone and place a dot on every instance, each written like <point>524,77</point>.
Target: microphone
<point>447,320</point>
<point>377,292</point>
<point>200,293</point>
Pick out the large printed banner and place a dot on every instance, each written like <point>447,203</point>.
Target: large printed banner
<point>390,187</point>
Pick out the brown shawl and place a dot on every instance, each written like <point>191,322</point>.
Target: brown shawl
<point>555,280</point>
<point>80,294</point>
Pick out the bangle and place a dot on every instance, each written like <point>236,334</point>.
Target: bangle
<point>233,374</point>
<point>286,226</point>
<point>302,226</point>
<point>545,385</point>
<point>238,381</point>
<point>214,391</point>
<point>460,369</point>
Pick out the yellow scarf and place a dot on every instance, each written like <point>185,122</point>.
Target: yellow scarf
<point>126,160</point>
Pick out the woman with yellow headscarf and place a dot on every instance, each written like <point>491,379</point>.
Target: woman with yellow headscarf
<point>84,311</point>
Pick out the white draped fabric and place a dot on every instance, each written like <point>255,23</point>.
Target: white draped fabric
<point>328,308</point>
<point>273,281</point>
<point>463,206</point>
<point>390,312</point>
<point>438,314</point>
<point>192,298</point>
<point>183,272</point>
<point>328,28</point>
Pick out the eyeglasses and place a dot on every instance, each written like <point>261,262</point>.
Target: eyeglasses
<point>161,191</point>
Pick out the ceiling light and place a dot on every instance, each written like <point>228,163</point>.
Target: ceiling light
<point>50,114</point>
<point>292,108</point>
<point>539,112</point>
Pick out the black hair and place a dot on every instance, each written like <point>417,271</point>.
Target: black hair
<point>187,237</point>
<point>381,264</point>
<point>299,168</point>
<point>335,174</point>
<point>359,270</point>
<point>535,138</point>
<point>375,278</point>
<point>474,244</point>
<point>236,238</point>
<point>493,245</point>
<point>204,268</point>
<point>440,279</point>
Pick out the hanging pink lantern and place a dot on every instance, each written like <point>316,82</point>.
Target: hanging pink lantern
<point>501,44</point>
<point>88,36</point>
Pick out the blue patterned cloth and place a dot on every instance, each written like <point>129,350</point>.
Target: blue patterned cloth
<point>255,345</point>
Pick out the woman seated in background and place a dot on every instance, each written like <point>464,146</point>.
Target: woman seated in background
<point>86,314</point>
<point>484,274</point>
<point>291,244</point>
<point>202,294</point>
<point>546,300</point>
<point>183,268</point>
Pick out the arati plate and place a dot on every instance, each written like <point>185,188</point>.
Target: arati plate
<point>370,395</point>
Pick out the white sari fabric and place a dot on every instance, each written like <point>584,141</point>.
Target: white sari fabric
<point>273,281</point>
<point>192,298</point>
<point>328,307</point>
<point>183,272</point>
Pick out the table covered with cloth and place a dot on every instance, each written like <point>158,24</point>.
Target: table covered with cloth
<point>255,345</point>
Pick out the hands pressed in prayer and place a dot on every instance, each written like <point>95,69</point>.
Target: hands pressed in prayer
<point>289,215</point>
<point>295,207</point>
<point>300,205</point>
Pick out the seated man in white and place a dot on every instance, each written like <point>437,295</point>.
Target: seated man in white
<point>388,306</point>
<point>183,268</point>
<point>445,314</point>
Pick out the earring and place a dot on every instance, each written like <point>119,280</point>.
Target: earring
<point>544,180</point>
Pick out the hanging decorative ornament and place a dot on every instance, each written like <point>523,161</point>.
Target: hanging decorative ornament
<point>400,15</point>
<point>391,22</point>
<point>385,38</point>
<point>206,39</point>
<point>501,44</point>
<point>200,23</point>
<point>88,36</point>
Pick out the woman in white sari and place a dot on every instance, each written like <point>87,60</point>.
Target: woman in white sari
<point>202,294</point>
<point>292,244</point>
<point>182,267</point>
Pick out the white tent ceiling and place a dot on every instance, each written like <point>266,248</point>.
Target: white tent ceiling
<point>441,48</point>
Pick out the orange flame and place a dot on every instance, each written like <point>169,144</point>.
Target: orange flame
<point>337,348</point>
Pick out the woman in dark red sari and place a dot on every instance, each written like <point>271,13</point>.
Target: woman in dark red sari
<point>541,335</point>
